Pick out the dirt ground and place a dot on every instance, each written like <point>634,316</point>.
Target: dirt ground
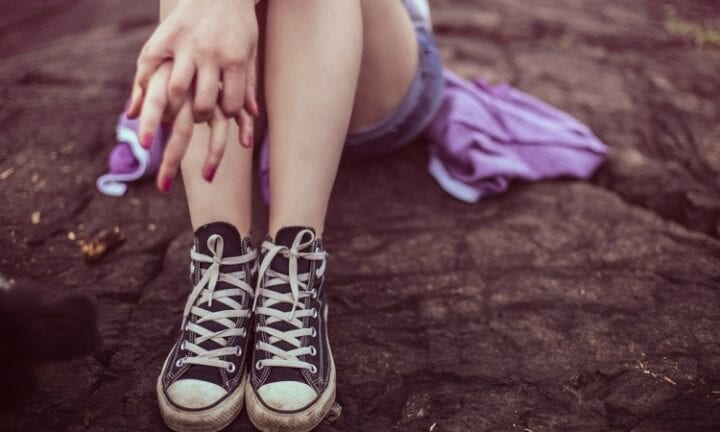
<point>559,306</point>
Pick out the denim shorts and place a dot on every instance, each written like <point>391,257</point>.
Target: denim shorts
<point>414,113</point>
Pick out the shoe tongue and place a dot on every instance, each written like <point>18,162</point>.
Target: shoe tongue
<point>232,242</point>
<point>233,245</point>
<point>285,237</point>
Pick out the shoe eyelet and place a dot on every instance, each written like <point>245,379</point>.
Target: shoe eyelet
<point>313,369</point>
<point>230,368</point>
<point>179,362</point>
<point>259,365</point>
<point>238,351</point>
<point>313,293</point>
<point>182,346</point>
<point>313,351</point>
<point>314,313</point>
<point>313,332</point>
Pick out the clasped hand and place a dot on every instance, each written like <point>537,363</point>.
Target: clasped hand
<point>198,67</point>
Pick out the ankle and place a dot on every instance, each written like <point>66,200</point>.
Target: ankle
<point>242,226</point>
<point>275,226</point>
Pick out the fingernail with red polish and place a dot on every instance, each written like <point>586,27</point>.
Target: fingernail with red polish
<point>147,140</point>
<point>166,184</point>
<point>210,173</point>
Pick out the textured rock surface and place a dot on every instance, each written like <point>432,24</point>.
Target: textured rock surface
<point>558,306</point>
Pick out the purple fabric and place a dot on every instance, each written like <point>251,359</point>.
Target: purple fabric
<point>128,160</point>
<point>484,137</point>
<point>264,170</point>
<point>123,161</point>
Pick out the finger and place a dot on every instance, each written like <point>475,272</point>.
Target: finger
<point>180,82</point>
<point>233,92</point>
<point>218,140</point>
<point>136,100</point>
<point>176,147</point>
<point>246,129</point>
<point>151,57</point>
<point>154,105</point>
<point>206,93</point>
<point>251,105</point>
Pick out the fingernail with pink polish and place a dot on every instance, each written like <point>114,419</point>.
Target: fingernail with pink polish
<point>248,141</point>
<point>210,173</point>
<point>166,184</point>
<point>147,140</point>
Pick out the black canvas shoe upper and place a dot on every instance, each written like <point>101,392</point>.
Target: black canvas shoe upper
<point>213,342</point>
<point>290,333</point>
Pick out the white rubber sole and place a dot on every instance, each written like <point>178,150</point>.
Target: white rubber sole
<point>268,420</point>
<point>208,420</point>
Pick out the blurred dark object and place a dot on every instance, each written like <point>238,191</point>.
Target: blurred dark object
<point>34,331</point>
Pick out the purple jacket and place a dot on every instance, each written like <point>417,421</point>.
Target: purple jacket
<point>484,137</point>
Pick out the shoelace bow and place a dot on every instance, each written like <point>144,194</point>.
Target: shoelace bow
<point>298,291</point>
<point>204,292</point>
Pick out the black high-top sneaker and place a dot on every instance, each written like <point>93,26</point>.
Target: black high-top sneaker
<point>201,386</point>
<point>292,377</point>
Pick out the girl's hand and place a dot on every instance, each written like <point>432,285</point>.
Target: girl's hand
<point>182,129</point>
<point>208,42</point>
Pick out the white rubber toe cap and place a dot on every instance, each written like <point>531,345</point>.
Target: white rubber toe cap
<point>194,394</point>
<point>286,395</point>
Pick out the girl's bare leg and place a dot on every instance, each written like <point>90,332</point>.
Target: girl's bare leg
<point>319,55</point>
<point>389,61</point>
<point>316,54</point>
<point>200,385</point>
<point>228,197</point>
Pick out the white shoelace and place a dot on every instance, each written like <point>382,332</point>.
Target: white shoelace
<point>204,292</point>
<point>298,292</point>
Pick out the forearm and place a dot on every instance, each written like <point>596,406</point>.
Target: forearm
<point>167,6</point>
